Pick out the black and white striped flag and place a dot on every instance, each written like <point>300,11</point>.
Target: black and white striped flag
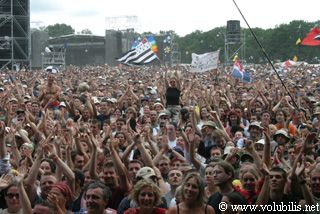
<point>140,55</point>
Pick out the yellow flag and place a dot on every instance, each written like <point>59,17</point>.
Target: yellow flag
<point>235,58</point>
<point>298,41</point>
<point>295,59</point>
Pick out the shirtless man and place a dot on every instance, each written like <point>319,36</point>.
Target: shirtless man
<point>49,92</point>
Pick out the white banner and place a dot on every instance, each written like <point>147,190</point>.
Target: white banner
<point>204,62</point>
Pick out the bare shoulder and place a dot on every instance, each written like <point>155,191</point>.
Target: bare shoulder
<point>210,210</point>
<point>172,210</point>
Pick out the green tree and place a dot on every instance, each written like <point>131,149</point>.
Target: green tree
<point>86,31</point>
<point>278,42</point>
<point>59,30</point>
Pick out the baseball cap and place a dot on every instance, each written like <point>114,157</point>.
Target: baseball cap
<point>13,99</point>
<point>245,157</point>
<point>62,104</point>
<point>261,141</point>
<point>281,132</point>
<point>24,132</point>
<point>145,173</point>
<point>255,124</point>
<point>112,100</point>
<point>210,124</point>
<point>145,98</point>
<point>164,113</point>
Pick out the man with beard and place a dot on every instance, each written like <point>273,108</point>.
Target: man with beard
<point>207,141</point>
<point>97,197</point>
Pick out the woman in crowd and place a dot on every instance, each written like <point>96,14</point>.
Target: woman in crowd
<point>210,187</point>
<point>193,199</point>
<point>173,92</point>
<point>250,184</point>
<point>60,196</point>
<point>147,195</point>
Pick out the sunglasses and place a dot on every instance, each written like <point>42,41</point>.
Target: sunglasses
<point>12,195</point>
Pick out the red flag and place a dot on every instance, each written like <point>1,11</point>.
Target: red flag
<point>312,38</point>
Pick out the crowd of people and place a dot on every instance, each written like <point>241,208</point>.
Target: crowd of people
<point>135,140</point>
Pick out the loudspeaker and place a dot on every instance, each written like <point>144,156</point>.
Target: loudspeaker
<point>113,46</point>
<point>38,41</point>
<point>233,31</point>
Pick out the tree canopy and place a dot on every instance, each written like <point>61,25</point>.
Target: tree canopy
<point>59,30</point>
<point>279,43</point>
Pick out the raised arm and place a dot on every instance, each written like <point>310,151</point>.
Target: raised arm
<point>3,148</point>
<point>144,154</point>
<point>215,117</point>
<point>192,142</point>
<point>120,168</point>
<point>67,171</point>
<point>299,172</point>
<point>93,162</point>
<point>23,197</point>
<point>267,147</point>
<point>263,197</point>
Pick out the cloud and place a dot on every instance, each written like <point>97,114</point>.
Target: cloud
<point>44,6</point>
<point>85,12</point>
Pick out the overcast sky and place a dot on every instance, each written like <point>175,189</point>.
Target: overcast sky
<point>181,16</point>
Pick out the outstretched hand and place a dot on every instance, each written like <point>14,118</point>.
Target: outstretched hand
<point>5,180</point>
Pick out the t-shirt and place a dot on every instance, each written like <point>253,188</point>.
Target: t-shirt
<point>287,200</point>
<point>118,194</point>
<point>5,211</point>
<point>172,96</point>
<point>215,199</point>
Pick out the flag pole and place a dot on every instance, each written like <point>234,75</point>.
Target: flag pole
<point>266,55</point>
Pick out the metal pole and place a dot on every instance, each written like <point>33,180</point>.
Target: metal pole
<point>225,51</point>
<point>12,38</point>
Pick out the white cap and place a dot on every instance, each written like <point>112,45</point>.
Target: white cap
<point>63,104</point>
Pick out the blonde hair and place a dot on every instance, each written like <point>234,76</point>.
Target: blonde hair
<point>134,194</point>
<point>201,199</point>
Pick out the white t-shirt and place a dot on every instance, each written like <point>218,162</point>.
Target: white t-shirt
<point>5,211</point>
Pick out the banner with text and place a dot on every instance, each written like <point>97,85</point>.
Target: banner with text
<point>204,62</point>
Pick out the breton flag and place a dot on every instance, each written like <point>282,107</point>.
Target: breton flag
<point>140,55</point>
<point>239,73</point>
<point>312,38</point>
<point>204,62</point>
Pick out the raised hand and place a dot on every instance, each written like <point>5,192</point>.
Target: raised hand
<point>54,200</point>
<point>300,169</point>
<point>2,128</point>
<point>264,170</point>
<point>5,180</point>
<point>248,145</point>
<point>266,133</point>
